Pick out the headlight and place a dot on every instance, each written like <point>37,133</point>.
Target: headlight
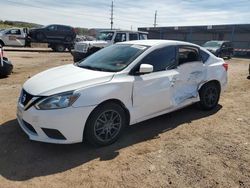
<point>62,100</point>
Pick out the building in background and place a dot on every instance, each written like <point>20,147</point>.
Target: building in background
<point>239,35</point>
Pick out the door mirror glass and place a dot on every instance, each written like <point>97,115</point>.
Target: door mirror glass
<point>146,68</point>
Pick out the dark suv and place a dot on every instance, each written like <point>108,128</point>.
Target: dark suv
<point>56,32</point>
<point>220,48</point>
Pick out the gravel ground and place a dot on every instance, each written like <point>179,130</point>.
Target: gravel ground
<point>187,148</point>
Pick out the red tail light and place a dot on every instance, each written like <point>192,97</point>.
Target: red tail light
<point>225,65</point>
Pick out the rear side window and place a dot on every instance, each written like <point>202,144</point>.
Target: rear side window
<point>161,59</point>
<point>204,56</point>
<point>188,54</point>
<point>133,36</point>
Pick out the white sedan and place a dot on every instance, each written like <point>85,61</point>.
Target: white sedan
<point>121,85</point>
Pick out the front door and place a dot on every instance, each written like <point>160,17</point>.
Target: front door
<point>14,37</point>
<point>152,92</point>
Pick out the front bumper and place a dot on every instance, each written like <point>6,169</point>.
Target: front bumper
<point>69,122</point>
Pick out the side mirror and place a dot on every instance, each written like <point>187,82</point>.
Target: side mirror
<point>146,68</point>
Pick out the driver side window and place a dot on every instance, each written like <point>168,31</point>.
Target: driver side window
<point>52,28</point>
<point>161,59</point>
<point>14,32</point>
<point>120,37</point>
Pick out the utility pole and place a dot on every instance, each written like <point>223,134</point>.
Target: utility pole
<point>155,19</point>
<point>112,15</point>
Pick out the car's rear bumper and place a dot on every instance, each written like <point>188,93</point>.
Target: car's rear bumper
<point>63,126</point>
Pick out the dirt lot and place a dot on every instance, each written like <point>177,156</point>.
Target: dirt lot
<point>187,148</point>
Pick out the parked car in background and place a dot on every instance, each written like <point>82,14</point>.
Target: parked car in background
<point>5,65</point>
<point>120,85</point>
<point>57,32</point>
<point>220,48</point>
<point>106,38</point>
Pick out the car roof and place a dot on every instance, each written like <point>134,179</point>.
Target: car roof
<point>159,42</point>
<point>219,41</point>
<point>126,31</point>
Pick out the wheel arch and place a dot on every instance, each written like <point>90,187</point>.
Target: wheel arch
<point>218,84</point>
<point>116,101</point>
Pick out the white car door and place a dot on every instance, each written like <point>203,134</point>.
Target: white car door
<point>152,91</point>
<point>14,37</point>
<point>191,73</point>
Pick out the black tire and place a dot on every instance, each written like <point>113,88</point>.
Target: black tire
<point>1,43</point>
<point>101,130</point>
<point>59,48</point>
<point>40,36</point>
<point>209,96</point>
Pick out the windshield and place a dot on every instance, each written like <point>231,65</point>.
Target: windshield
<point>105,36</point>
<point>213,44</point>
<point>113,58</point>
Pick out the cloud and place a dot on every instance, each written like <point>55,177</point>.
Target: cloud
<point>140,13</point>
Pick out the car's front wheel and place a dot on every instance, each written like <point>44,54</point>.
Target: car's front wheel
<point>105,124</point>
<point>209,95</point>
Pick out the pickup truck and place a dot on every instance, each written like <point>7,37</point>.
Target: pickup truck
<point>20,37</point>
<point>106,38</point>
<point>13,37</point>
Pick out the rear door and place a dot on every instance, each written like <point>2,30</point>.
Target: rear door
<point>191,73</point>
<point>152,92</point>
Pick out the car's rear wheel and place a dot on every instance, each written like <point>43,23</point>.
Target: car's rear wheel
<point>209,95</point>
<point>59,48</point>
<point>105,124</point>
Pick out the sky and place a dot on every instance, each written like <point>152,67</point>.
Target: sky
<point>127,13</point>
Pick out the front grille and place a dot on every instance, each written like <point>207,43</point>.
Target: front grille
<point>29,127</point>
<point>54,134</point>
<point>81,47</point>
<point>25,97</point>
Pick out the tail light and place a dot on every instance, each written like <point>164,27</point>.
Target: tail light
<point>225,65</point>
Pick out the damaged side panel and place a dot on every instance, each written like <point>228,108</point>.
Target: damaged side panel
<point>191,76</point>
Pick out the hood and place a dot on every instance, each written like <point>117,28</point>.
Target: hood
<point>64,78</point>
